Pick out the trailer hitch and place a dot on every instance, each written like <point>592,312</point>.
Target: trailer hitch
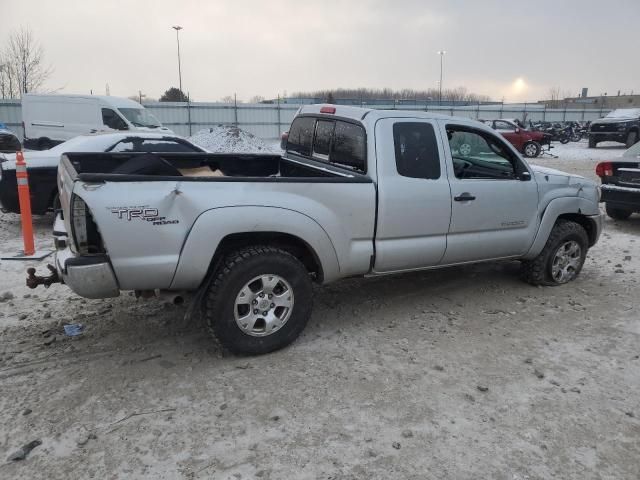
<point>33,280</point>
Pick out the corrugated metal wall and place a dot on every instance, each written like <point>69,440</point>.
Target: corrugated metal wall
<point>269,120</point>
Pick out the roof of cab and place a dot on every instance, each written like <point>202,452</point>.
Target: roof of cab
<point>118,102</point>
<point>360,113</point>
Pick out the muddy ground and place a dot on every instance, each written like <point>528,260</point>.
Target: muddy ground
<point>464,373</point>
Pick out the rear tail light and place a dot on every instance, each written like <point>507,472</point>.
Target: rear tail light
<point>79,224</point>
<point>283,140</point>
<point>604,169</point>
<point>328,110</point>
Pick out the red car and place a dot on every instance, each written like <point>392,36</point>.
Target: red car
<point>526,142</point>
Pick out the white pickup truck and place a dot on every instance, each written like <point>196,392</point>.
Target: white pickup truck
<point>357,192</point>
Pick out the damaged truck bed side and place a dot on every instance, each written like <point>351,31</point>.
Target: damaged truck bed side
<point>357,192</point>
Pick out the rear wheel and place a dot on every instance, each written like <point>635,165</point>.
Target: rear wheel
<point>259,301</point>
<point>632,138</point>
<point>561,259</point>
<point>617,213</point>
<point>531,149</point>
<point>592,142</point>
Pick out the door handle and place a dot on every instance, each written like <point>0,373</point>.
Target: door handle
<point>465,197</point>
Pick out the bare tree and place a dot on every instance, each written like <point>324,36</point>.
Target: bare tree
<point>554,94</point>
<point>23,60</point>
<point>257,99</point>
<point>227,99</point>
<point>8,81</point>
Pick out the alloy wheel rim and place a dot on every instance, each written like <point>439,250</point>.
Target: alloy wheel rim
<point>264,305</point>
<point>566,262</point>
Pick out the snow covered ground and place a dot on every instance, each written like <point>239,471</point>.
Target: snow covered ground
<point>459,373</point>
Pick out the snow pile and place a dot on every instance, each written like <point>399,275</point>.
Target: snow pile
<point>230,139</point>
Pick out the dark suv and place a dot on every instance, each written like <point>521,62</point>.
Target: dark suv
<point>622,125</point>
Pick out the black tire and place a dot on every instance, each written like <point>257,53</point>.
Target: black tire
<point>235,271</point>
<point>531,149</point>
<point>576,137</point>
<point>564,139</point>
<point>539,270</point>
<point>592,142</point>
<point>617,213</point>
<point>632,138</point>
<point>55,203</point>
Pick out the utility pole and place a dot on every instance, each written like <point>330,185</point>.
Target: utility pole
<point>177,28</point>
<point>441,53</point>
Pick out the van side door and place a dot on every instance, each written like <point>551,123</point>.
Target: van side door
<point>495,196</point>
<point>414,198</point>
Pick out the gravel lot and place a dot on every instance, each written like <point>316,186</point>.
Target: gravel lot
<point>464,373</point>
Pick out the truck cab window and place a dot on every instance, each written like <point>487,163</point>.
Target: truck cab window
<point>323,139</point>
<point>301,135</point>
<point>112,120</point>
<point>416,150</point>
<point>349,146</point>
<point>476,154</point>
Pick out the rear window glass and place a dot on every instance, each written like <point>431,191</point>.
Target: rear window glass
<point>335,141</point>
<point>416,150</point>
<point>324,137</point>
<point>349,146</point>
<point>301,135</point>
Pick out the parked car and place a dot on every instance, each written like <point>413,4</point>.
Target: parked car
<point>621,184</point>
<point>527,142</point>
<point>357,192</point>
<point>52,119</point>
<point>43,165</point>
<point>621,125</point>
<point>9,141</point>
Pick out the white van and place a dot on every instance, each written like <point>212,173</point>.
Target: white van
<point>52,119</point>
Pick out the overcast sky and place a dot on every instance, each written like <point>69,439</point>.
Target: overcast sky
<point>515,49</point>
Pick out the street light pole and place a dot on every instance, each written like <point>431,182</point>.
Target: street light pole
<point>441,53</point>
<point>177,28</point>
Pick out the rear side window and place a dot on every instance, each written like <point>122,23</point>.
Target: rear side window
<point>301,135</point>
<point>416,150</point>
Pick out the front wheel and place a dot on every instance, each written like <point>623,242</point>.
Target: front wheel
<point>562,257</point>
<point>259,301</point>
<point>531,149</point>
<point>576,137</point>
<point>564,139</point>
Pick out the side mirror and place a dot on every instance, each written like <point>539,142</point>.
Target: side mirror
<point>517,130</point>
<point>525,176</point>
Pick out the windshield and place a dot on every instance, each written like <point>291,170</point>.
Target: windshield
<point>624,113</point>
<point>139,117</point>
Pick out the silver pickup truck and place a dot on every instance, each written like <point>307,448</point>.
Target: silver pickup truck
<point>357,192</point>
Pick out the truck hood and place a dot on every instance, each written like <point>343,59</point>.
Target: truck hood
<point>558,183</point>
<point>551,175</point>
<point>607,121</point>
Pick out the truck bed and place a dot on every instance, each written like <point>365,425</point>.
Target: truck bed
<point>160,228</point>
<point>121,167</point>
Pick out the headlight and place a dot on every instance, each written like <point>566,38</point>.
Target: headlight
<point>622,127</point>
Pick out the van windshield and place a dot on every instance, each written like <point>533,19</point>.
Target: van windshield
<point>139,117</point>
